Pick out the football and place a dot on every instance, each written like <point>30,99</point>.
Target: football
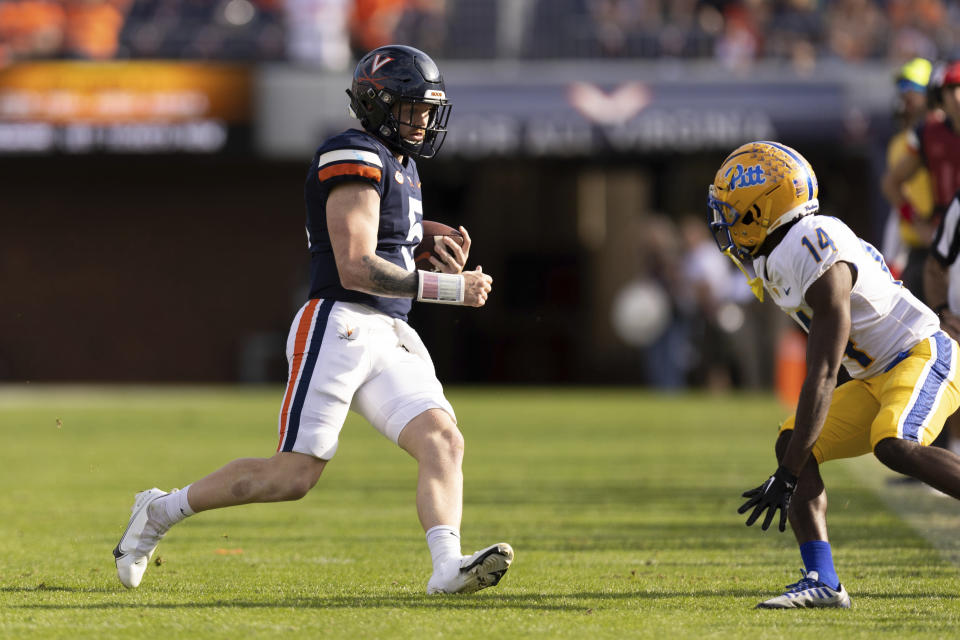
<point>432,231</point>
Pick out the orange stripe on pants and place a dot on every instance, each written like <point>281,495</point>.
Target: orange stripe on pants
<point>299,347</point>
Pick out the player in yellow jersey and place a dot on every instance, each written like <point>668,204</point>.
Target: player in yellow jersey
<point>909,227</point>
<point>764,209</point>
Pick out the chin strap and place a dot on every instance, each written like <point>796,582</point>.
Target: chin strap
<point>756,284</point>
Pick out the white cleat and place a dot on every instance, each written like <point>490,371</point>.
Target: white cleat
<point>809,592</point>
<point>139,541</point>
<point>467,574</point>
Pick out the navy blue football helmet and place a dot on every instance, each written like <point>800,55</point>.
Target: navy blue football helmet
<point>387,83</point>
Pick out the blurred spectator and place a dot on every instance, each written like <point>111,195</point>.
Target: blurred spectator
<point>667,357</point>
<point>856,29</point>
<point>472,27</point>
<point>742,38</point>
<point>916,27</point>
<point>719,307</point>
<point>373,23</point>
<point>796,31</point>
<point>680,33</point>
<point>30,29</point>
<point>317,33</point>
<point>562,28</point>
<point>85,29</point>
<point>93,28</point>
<point>106,29</point>
<point>614,20</point>
<point>205,29</point>
<point>907,237</point>
<point>942,288</point>
<point>933,144</point>
<point>424,22</point>
<point>736,32</point>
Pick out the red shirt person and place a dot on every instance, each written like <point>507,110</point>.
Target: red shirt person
<point>935,144</point>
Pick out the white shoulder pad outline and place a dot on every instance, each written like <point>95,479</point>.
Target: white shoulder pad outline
<point>350,155</point>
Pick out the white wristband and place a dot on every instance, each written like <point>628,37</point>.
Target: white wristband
<point>442,288</point>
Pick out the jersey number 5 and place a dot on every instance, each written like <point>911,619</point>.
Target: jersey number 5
<point>415,233</point>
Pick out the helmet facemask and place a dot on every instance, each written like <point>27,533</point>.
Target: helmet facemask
<point>406,121</point>
<point>721,219</point>
<point>725,222</point>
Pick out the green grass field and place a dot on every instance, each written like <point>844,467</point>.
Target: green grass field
<point>621,506</point>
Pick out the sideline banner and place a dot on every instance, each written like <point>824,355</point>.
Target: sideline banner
<point>596,110</point>
<point>125,107</point>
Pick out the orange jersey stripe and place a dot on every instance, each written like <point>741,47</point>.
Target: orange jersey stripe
<point>349,169</point>
<point>299,347</point>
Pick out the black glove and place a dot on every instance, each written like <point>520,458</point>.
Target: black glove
<point>773,494</point>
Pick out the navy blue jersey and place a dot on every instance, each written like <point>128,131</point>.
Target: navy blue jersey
<point>356,156</point>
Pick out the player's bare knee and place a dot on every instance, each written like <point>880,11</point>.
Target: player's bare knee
<point>446,443</point>
<point>293,487</point>
<point>294,476</point>
<point>894,453</point>
<point>886,452</point>
<point>810,491</point>
<point>433,436</point>
<point>297,488</point>
<point>454,443</point>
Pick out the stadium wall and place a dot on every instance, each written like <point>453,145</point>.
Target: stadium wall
<point>187,267</point>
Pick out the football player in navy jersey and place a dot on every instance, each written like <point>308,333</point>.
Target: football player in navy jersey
<point>349,346</point>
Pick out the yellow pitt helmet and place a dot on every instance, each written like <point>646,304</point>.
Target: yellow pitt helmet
<point>760,186</point>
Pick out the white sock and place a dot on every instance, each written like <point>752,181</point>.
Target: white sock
<point>444,543</point>
<point>172,508</point>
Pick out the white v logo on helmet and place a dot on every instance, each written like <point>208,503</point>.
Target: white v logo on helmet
<point>379,61</point>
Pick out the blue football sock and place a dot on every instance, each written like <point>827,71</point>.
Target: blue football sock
<point>817,557</point>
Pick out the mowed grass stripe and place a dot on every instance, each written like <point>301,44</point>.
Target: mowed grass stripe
<point>935,516</point>
<point>620,504</point>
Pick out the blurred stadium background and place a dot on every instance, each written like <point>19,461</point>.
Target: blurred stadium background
<point>152,156</point>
